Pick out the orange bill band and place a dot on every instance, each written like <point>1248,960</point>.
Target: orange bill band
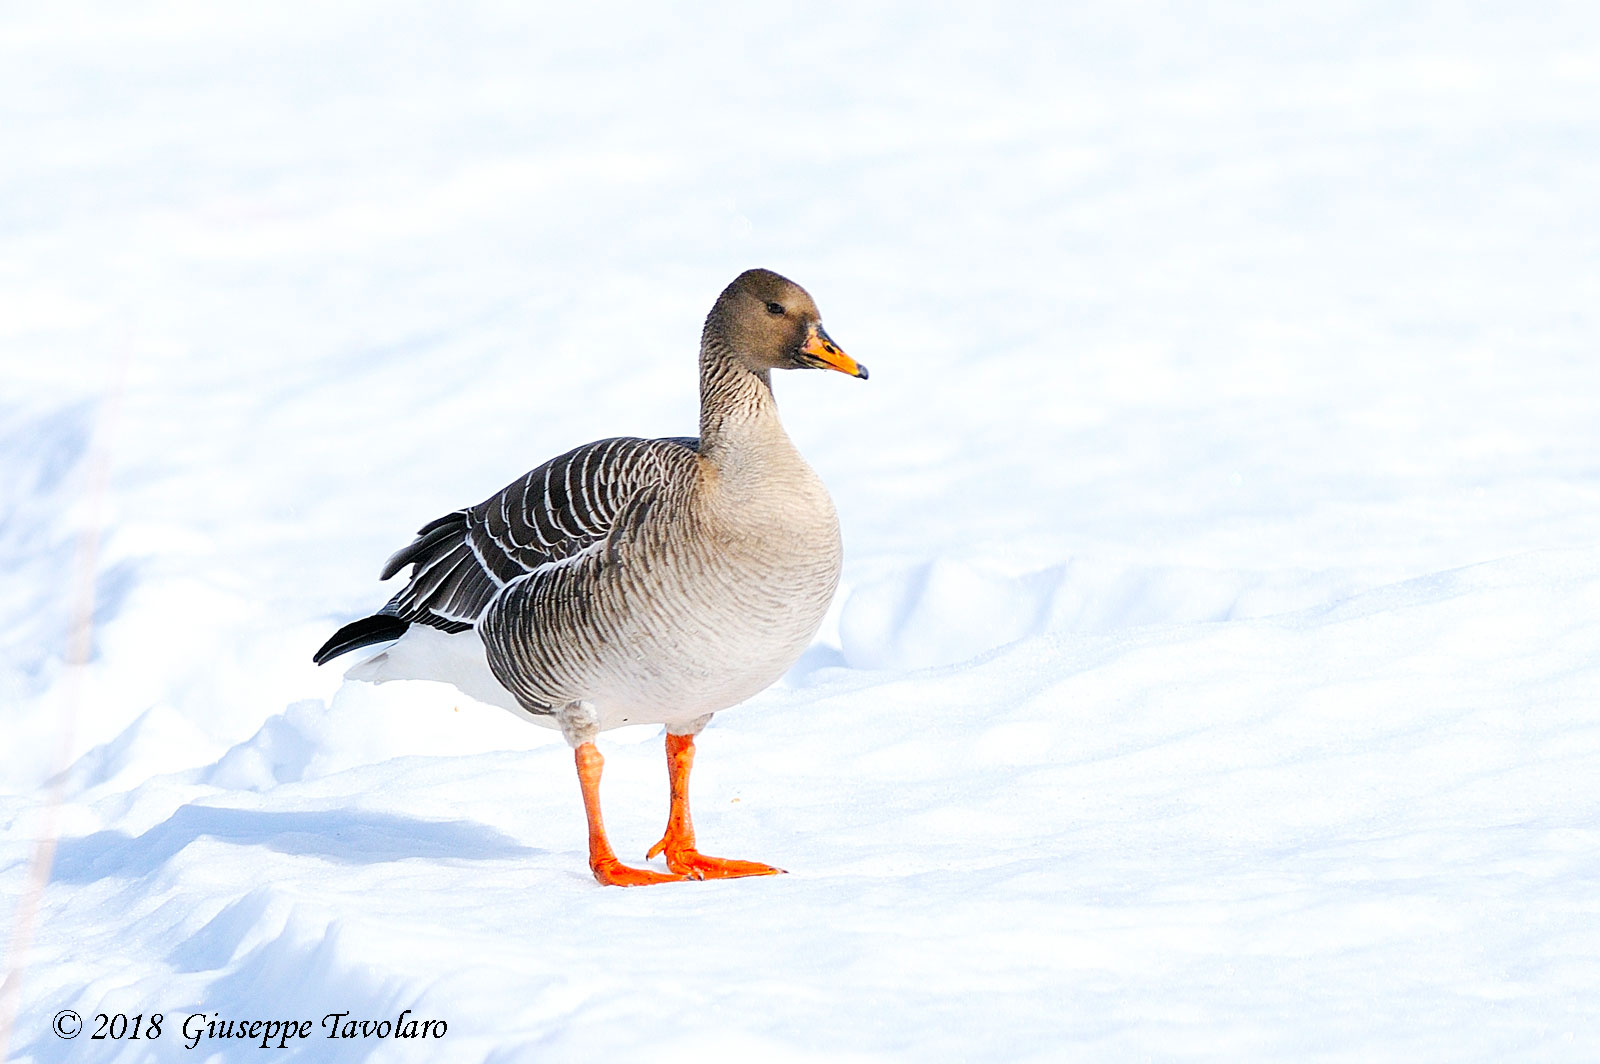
<point>824,352</point>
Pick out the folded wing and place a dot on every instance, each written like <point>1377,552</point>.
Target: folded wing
<point>462,560</point>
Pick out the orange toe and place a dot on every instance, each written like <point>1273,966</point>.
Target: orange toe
<point>696,865</point>
<point>614,873</point>
<point>699,866</point>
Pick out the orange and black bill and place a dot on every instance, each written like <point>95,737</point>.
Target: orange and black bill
<point>821,352</point>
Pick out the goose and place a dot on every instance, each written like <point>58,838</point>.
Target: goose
<point>636,581</point>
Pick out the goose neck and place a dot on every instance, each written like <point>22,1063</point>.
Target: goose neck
<point>737,409</point>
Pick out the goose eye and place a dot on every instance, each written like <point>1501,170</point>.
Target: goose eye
<point>774,308</point>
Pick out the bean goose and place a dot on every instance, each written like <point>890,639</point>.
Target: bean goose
<point>634,581</point>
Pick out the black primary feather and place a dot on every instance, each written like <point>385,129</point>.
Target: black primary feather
<point>378,628</point>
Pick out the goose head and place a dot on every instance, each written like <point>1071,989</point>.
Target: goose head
<point>765,321</point>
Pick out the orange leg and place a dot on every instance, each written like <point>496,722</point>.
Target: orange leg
<point>609,871</point>
<point>678,842</point>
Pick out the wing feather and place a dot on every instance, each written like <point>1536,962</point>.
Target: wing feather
<point>564,507</point>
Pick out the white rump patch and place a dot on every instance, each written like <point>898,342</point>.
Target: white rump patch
<point>455,658</point>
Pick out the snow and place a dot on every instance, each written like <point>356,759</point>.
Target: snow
<point>1214,669</point>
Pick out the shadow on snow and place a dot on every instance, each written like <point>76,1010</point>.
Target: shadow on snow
<point>348,836</point>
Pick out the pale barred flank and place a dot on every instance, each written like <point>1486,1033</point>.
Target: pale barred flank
<point>700,602</point>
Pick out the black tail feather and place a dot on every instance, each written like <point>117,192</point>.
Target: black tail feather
<point>375,629</point>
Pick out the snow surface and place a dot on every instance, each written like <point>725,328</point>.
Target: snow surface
<point>1216,671</point>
